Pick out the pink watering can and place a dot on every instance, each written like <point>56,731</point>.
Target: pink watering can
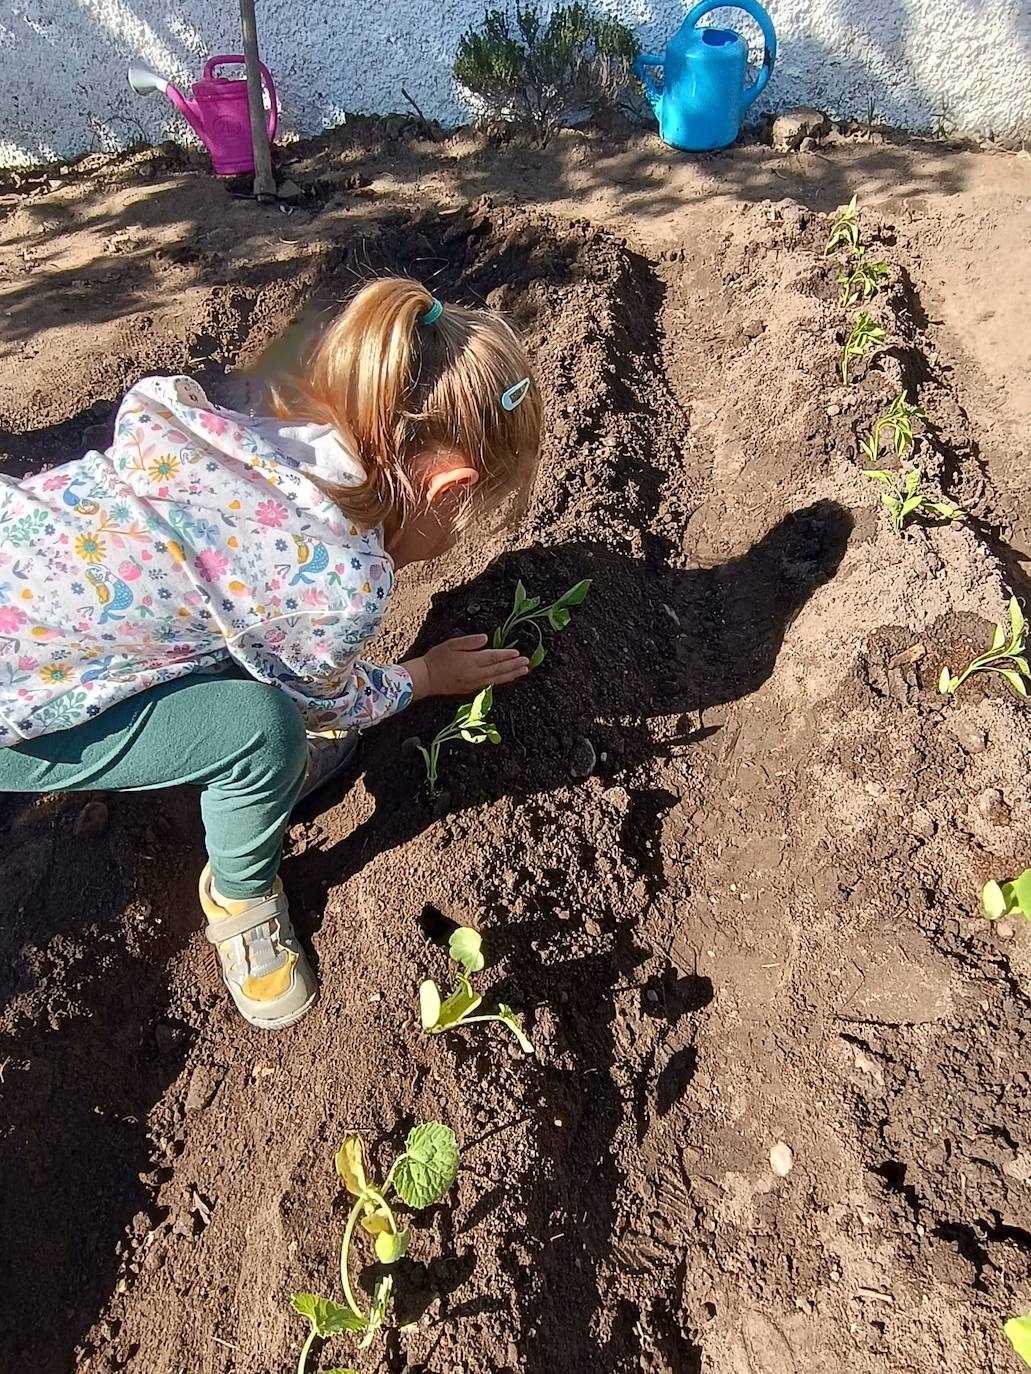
<point>218,113</point>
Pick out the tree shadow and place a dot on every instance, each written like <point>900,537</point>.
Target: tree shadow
<point>86,1050</point>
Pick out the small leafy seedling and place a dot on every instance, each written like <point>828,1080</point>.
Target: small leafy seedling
<point>465,948</point>
<point>865,336</point>
<point>420,1177</point>
<point>904,498</point>
<point>1005,657</point>
<point>845,230</point>
<point>1008,899</point>
<point>471,723</point>
<point>862,280</point>
<point>528,611</point>
<point>898,420</point>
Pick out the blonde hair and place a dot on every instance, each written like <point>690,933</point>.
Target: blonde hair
<point>393,387</point>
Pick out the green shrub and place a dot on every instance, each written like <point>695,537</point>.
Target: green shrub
<point>534,74</point>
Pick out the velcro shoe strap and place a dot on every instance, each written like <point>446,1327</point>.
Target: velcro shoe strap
<point>272,908</point>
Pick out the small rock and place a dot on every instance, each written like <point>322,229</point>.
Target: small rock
<point>1005,930</point>
<point>289,190</point>
<point>833,409</point>
<point>204,1084</point>
<point>791,127</point>
<point>753,328</point>
<point>411,745</point>
<point>782,1157</point>
<point>91,821</point>
<point>583,759</point>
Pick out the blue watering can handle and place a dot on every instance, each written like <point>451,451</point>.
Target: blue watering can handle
<point>648,59</point>
<point>765,23</point>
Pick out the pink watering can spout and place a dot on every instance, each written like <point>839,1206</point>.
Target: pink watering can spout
<point>218,113</point>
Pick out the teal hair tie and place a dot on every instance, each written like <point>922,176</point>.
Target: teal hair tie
<point>515,395</point>
<point>433,314</point>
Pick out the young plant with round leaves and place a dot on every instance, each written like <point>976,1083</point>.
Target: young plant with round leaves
<point>844,230</point>
<point>419,1177</point>
<point>861,281</point>
<point>1006,656</point>
<point>470,723</point>
<point>459,1008</point>
<point>904,499</point>
<point>527,612</point>
<point>864,337</point>
<point>1008,899</point>
<point>898,421</point>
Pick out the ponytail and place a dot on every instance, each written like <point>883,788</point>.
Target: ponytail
<point>393,386</point>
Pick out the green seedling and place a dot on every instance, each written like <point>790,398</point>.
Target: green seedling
<point>419,1177</point>
<point>864,338</point>
<point>863,280</point>
<point>528,611</point>
<point>470,723</point>
<point>437,1016</point>
<point>1008,899</point>
<point>904,499</point>
<point>844,230</point>
<point>1005,657</point>
<point>898,420</point>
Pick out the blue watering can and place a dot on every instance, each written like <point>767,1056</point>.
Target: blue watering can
<point>703,95</point>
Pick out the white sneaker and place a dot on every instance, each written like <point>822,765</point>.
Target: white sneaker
<point>263,966</point>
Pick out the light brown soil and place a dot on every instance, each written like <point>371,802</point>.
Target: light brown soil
<point>754,921</point>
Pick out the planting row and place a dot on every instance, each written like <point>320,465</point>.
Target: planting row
<point>905,500</point>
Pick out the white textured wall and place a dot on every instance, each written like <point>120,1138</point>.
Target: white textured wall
<point>62,62</point>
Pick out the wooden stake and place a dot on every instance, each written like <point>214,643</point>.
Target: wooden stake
<point>264,181</point>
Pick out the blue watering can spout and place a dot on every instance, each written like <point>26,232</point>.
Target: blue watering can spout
<point>703,95</point>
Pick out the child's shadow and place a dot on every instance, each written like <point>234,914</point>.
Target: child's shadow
<point>649,642</point>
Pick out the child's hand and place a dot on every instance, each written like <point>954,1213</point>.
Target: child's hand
<point>461,666</point>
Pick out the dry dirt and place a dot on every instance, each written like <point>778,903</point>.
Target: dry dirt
<point>726,861</point>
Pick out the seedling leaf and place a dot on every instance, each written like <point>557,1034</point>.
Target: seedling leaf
<point>378,1310</point>
<point>945,681</point>
<point>558,617</point>
<point>375,1224</point>
<point>1019,895</point>
<point>390,1247</point>
<point>1018,1332</point>
<point>1015,680</point>
<point>1016,617</point>
<point>462,1002</point>
<point>993,901</point>
<point>577,595</point>
<point>429,1004</point>
<point>912,481</point>
<point>520,595</point>
<point>350,1164</point>
<point>327,1317</point>
<point>999,637</point>
<point>879,475</point>
<point>538,656</point>
<point>429,1165</point>
<point>466,948</point>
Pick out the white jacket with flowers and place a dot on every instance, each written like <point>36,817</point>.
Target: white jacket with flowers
<point>199,536</point>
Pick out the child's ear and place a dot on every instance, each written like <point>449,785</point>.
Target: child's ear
<point>449,478</point>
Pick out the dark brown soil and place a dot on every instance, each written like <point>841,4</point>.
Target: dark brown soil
<point>726,864</point>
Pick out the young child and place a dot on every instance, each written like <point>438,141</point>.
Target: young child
<point>191,605</point>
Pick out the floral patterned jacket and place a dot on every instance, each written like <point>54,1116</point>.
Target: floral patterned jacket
<point>198,537</point>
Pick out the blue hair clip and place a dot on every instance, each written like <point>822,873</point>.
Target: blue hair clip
<point>432,315</point>
<point>515,395</point>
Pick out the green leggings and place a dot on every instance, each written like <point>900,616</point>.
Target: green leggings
<point>243,742</point>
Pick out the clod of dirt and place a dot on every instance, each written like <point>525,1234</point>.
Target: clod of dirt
<point>782,1157</point>
<point>583,759</point>
<point>91,821</point>
<point>791,127</point>
<point>204,1084</point>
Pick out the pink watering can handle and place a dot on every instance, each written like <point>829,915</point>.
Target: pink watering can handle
<point>266,76</point>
